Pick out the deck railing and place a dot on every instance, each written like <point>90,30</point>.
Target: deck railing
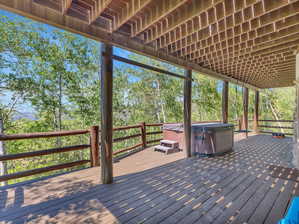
<point>269,129</point>
<point>145,135</point>
<point>142,134</point>
<point>93,145</point>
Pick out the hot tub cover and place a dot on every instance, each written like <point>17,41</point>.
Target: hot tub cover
<point>179,127</point>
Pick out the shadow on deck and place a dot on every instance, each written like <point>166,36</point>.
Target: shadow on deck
<point>253,184</point>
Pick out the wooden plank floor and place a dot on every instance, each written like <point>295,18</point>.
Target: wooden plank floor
<point>253,184</point>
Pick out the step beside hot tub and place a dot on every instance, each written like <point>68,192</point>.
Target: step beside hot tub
<point>206,138</point>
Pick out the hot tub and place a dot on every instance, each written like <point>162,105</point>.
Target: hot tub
<point>206,138</point>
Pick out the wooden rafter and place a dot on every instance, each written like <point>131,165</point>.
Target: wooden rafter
<point>159,11</point>
<point>236,23</point>
<point>250,39</point>
<point>98,8</point>
<point>66,4</point>
<point>249,42</point>
<point>132,8</point>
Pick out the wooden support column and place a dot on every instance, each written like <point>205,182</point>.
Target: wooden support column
<point>296,120</point>
<point>245,110</point>
<point>225,102</point>
<point>256,112</point>
<point>187,111</point>
<point>106,112</point>
<point>296,117</point>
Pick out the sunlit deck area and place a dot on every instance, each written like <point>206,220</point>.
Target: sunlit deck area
<point>253,184</point>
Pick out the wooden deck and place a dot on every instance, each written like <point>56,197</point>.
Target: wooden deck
<point>253,184</point>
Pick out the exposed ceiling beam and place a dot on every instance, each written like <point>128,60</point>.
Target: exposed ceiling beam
<point>41,13</point>
<point>207,23</point>
<point>98,8</point>
<point>66,4</point>
<point>229,37</point>
<point>132,8</point>
<point>187,12</point>
<point>160,10</point>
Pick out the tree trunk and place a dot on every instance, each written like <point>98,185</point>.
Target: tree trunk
<point>157,111</point>
<point>3,166</point>
<point>58,116</point>
<point>275,115</point>
<point>225,102</point>
<point>236,104</point>
<point>60,103</point>
<point>160,101</point>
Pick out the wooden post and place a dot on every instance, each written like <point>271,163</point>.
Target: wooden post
<point>296,117</point>
<point>187,112</point>
<point>256,112</point>
<point>94,146</point>
<point>106,109</point>
<point>245,109</point>
<point>143,134</point>
<point>225,102</point>
<point>240,123</point>
<point>296,120</point>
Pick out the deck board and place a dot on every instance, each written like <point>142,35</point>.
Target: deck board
<point>253,184</point>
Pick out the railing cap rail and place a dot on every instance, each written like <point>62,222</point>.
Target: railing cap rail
<point>42,135</point>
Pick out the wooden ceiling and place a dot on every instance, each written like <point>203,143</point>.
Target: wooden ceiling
<point>242,41</point>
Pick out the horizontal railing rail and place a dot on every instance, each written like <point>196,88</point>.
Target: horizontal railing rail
<point>288,121</point>
<point>268,129</point>
<point>42,170</point>
<point>148,133</point>
<point>152,133</point>
<point>123,138</point>
<point>93,146</point>
<point>42,152</point>
<point>42,135</point>
<point>270,126</point>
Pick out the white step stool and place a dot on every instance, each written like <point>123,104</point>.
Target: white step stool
<point>167,146</point>
<point>169,143</point>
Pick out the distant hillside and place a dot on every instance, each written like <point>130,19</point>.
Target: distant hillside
<point>30,116</point>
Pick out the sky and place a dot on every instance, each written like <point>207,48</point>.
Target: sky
<point>27,108</point>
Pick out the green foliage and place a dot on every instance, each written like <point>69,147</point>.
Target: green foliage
<point>57,74</point>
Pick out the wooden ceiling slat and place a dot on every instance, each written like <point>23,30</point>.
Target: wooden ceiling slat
<point>98,8</point>
<point>243,41</point>
<point>230,33</point>
<point>66,4</point>
<point>188,11</point>
<point>130,11</point>
<point>251,44</point>
<point>155,14</point>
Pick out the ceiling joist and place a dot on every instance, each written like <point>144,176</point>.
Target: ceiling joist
<point>66,4</point>
<point>248,42</point>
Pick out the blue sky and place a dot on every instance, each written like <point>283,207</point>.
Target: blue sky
<point>117,51</point>
<point>26,107</point>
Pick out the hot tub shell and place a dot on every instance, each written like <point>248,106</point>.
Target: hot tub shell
<point>206,138</point>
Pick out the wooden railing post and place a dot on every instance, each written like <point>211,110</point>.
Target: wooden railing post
<point>94,146</point>
<point>143,134</point>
